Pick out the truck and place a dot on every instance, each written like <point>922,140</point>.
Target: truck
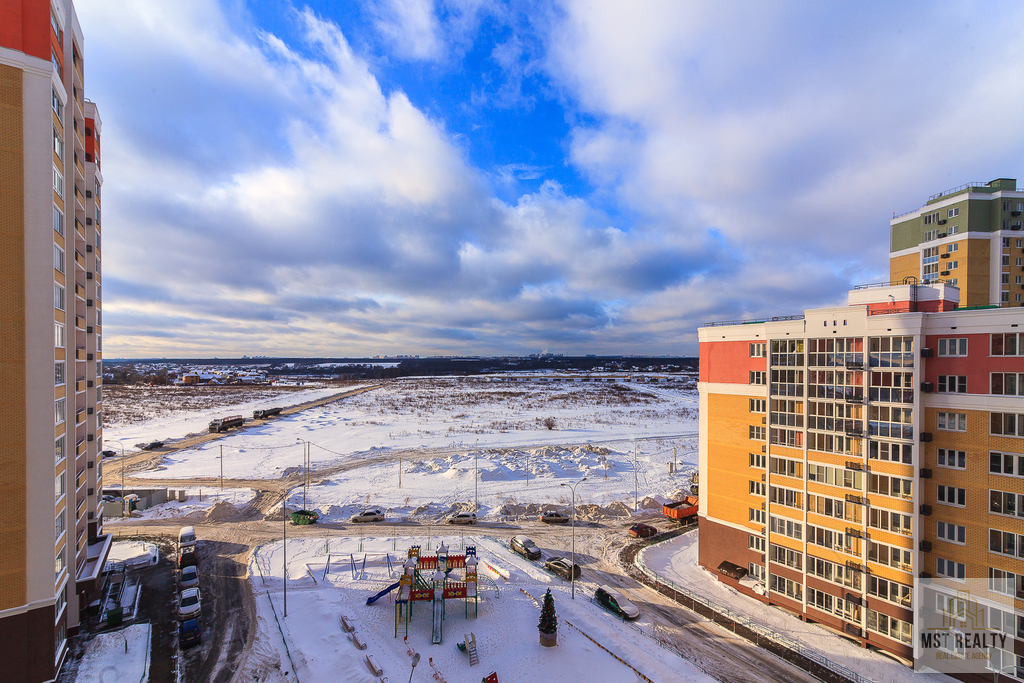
<point>222,424</point>
<point>684,510</point>
<point>264,414</point>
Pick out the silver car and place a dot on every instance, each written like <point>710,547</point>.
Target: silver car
<point>462,518</point>
<point>189,604</point>
<point>189,577</point>
<point>375,515</point>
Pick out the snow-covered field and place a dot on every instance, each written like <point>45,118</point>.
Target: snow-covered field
<point>210,504</point>
<point>677,560</point>
<point>505,628</point>
<point>448,430</point>
<point>106,660</point>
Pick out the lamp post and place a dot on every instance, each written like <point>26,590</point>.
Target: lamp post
<point>572,569</point>
<point>284,568</point>
<point>305,464</point>
<point>636,480</point>
<point>122,476</point>
<point>476,476</point>
<point>415,661</point>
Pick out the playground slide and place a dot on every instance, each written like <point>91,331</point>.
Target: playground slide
<point>374,598</point>
<point>438,619</point>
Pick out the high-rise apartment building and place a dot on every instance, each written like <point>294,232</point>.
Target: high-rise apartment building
<point>848,451</point>
<point>51,549</point>
<point>971,237</point>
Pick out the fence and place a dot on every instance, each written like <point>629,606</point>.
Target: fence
<point>789,649</point>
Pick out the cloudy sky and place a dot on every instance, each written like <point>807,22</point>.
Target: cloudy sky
<point>469,177</point>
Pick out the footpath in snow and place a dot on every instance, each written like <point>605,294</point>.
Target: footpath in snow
<point>676,561</point>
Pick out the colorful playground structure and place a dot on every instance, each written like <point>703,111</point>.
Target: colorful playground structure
<point>428,579</point>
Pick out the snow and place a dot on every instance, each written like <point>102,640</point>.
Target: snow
<point>676,560</point>
<point>105,658</point>
<point>132,553</point>
<point>177,424</point>
<point>199,504</point>
<point>505,628</point>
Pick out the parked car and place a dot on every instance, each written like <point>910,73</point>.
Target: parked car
<point>187,557</point>
<point>561,566</point>
<point>554,518</point>
<point>616,603</point>
<point>375,515</point>
<point>189,633</point>
<point>108,454</point>
<point>642,531</point>
<point>524,547</point>
<point>189,577</point>
<point>190,604</point>
<point>153,445</point>
<point>186,536</point>
<point>462,518</point>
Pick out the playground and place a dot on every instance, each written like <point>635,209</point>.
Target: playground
<point>360,610</point>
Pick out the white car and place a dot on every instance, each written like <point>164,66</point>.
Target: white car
<point>189,604</point>
<point>375,515</point>
<point>462,518</point>
<point>189,577</point>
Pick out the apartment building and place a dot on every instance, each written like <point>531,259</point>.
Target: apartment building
<point>51,549</point>
<point>971,236</point>
<point>849,452</point>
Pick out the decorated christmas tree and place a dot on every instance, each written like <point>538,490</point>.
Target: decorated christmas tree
<point>548,621</point>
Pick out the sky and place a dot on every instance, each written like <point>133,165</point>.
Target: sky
<point>482,178</point>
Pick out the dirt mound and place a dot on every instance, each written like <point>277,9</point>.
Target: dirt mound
<point>617,509</point>
<point>649,503</point>
<point>223,512</point>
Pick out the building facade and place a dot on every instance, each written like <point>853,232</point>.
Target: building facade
<point>50,363</point>
<point>971,236</point>
<point>847,452</point>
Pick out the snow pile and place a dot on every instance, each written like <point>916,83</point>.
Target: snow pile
<point>105,658</point>
<point>200,504</point>
<point>131,554</point>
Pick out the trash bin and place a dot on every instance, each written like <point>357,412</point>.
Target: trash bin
<point>302,517</point>
<point>115,616</point>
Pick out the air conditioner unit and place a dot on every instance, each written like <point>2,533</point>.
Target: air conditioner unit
<point>944,273</point>
<point>925,546</point>
<point>942,221</point>
<point>927,387</point>
<point>926,473</point>
<point>926,510</point>
<point>941,235</point>
<point>926,437</point>
<point>944,255</point>
<point>88,221</point>
<point>925,575</point>
<point>926,353</point>
<point>1015,213</point>
<point>88,194</point>
<point>88,249</point>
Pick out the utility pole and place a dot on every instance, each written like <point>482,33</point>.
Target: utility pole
<point>527,468</point>
<point>476,476</point>
<point>305,451</point>
<point>636,481</point>
<point>222,468</point>
<point>674,465</point>
<point>399,471</point>
<point>572,569</point>
<point>284,526</point>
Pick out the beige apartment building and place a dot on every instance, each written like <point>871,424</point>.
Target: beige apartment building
<point>52,550</point>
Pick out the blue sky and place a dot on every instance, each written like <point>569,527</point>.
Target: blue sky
<point>462,177</point>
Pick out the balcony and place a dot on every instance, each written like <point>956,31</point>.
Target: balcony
<point>80,385</point>
<point>80,259</point>
<point>79,353</point>
<point>855,431</point>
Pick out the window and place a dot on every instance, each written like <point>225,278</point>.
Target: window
<point>58,259</point>
<point>950,248</point>
<point>956,346</point>
<point>757,405</point>
<point>755,515</point>
<point>59,486</point>
<point>835,476</point>
<point>787,467</point>
<point>892,352</point>
<point>58,106</point>
<point>58,335</point>
<point>891,421</point>
<point>952,422</point>
<point>786,527</point>
<point>952,384</point>
<point>58,297</point>
<point>885,485</point>
<point>891,387</point>
<point>757,460</point>
<point>1005,543</point>
<point>953,533</point>
<point>758,377</point>
<point>887,520</point>
<point>889,627</point>
<point>930,261</point>
<point>1005,298</point>
<point>58,448</point>
<point>758,349</point>
<point>56,64</point>
<point>954,265</point>
<point>784,586</point>
<point>58,524</point>
<point>1005,279</point>
<point>58,373</point>
<point>784,556</point>
<point>787,497</point>
<point>898,558</point>
<point>824,602</point>
<point>59,563</point>
<point>756,570</point>
<point>1003,463</point>
<point>950,495</point>
<point>930,218</point>
<point>929,235</point>
<point>834,507</point>
<point>891,452</point>
<point>58,181</point>
<point>755,543</point>
<point>1007,383</point>
<point>59,410</point>
<point>787,437</point>
<point>1004,582</point>
<point>890,591</point>
<point>947,457</point>
<point>58,221</point>
<point>756,488</point>
<point>1018,280</point>
<point>1006,424</point>
<point>58,145</point>
<point>953,213</point>
<point>1005,503</point>
<point>757,432</point>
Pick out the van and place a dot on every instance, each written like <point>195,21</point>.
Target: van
<point>186,537</point>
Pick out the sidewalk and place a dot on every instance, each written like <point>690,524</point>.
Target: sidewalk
<point>674,562</point>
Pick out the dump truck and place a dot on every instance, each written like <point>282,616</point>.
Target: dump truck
<point>684,510</point>
<point>264,414</point>
<point>222,424</point>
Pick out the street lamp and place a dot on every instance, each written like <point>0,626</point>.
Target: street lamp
<point>305,463</point>
<point>415,661</point>
<point>122,475</point>
<point>572,569</point>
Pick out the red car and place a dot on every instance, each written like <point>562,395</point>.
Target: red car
<point>642,531</point>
